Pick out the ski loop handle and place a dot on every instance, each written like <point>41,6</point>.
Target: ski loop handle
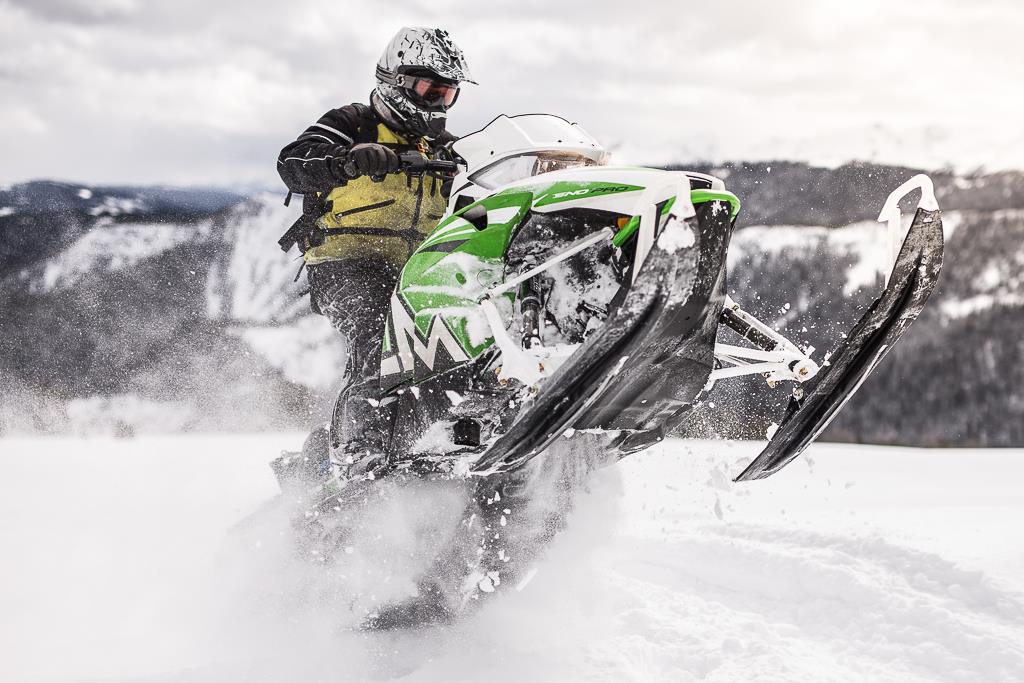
<point>892,217</point>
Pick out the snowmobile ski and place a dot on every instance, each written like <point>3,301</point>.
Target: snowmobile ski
<point>910,282</point>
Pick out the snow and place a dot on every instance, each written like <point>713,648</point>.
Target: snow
<point>989,278</point>
<point>110,414</point>
<point>951,220</point>
<point>309,351</point>
<point>854,563</point>
<point>677,235</point>
<point>6,211</point>
<point>436,439</point>
<point>996,282</point>
<point>253,286</point>
<point>776,239</point>
<point>254,283</point>
<point>516,362</point>
<point>568,292</point>
<point>865,240</point>
<point>110,247</point>
<point>953,309</point>
<point>114,206</point>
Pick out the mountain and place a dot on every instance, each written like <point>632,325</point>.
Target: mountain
<point>157,309</point>
<point>41,218</point>
<point>804,260</point>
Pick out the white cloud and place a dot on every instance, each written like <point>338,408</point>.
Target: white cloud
<point>203,92</point>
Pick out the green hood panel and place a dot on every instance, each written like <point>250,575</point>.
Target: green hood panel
<point>450,271</point>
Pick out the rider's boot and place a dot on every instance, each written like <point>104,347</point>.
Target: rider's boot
<point>360,431</point>
<point>300,472</point>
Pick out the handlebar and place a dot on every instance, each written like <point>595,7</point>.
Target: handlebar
<point>413,163</point>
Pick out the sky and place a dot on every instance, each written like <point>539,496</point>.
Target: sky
<point>187,92</point>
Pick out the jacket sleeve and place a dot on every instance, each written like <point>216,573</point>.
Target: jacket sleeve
<point>304,165</point>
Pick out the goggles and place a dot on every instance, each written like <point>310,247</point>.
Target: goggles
<point>430,92</point>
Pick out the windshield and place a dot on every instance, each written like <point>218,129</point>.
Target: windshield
<point>511,148</point>
<point>528,165</point>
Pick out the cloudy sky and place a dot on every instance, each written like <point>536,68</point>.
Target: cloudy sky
<point>207,92</point>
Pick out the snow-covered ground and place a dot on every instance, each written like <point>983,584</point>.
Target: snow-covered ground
<point>857,563</point>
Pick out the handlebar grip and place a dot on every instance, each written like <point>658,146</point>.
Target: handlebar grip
<point>443,166</point>
<point>414,162</point>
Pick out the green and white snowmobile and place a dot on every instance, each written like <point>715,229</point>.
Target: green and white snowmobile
<point>560,295</point>
<point>564,298</point>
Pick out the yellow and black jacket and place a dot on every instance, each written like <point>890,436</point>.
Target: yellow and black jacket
<point>359,218</point>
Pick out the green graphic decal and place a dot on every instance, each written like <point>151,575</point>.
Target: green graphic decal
<point>696,197</point>
<point>566,191</point>
<point>449,273</point>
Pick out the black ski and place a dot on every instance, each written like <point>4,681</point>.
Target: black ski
<point>912,280</point>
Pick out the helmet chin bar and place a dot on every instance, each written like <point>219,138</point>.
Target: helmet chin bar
<point>416,121</point>
<point>386,112</point>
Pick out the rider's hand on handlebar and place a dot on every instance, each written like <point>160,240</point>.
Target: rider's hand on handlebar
<point>372,159</point>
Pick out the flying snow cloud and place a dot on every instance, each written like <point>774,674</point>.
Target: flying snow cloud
<point>189,92</point>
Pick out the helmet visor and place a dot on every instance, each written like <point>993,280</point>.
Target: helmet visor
<point>432,93</point>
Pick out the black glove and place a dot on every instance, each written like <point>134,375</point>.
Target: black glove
<point>370,158</point>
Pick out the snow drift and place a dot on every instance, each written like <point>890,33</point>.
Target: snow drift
<point>864,564</point>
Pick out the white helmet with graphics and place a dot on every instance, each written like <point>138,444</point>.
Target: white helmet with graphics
<point>418,79</point>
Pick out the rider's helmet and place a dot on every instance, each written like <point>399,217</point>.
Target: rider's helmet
<point>418,79</point>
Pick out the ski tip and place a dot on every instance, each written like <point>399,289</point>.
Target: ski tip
<point>757,469</point>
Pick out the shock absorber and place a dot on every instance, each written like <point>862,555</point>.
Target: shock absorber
<point>745,329</point>
<point>530,304</point>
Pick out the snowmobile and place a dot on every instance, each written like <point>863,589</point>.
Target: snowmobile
<point>565,300</point>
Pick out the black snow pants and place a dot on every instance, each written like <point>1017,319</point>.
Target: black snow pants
<point>354,295</point>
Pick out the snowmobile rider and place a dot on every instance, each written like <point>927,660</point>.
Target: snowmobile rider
<point>362,214</point>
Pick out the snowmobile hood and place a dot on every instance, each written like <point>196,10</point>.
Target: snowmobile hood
<point>610,188</point>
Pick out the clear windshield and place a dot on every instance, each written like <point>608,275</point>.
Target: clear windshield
<point>528,165</point>
<point>511,148</point>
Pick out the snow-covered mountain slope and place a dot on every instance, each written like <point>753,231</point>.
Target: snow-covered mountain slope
<point>857,563</point>
<point>956,377</point>
<point>863,243</point>
<point>252,285</point>
<point>109,247</point>
<point>158,316</point>
<point>252,279</point>
<point>40,218</point>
